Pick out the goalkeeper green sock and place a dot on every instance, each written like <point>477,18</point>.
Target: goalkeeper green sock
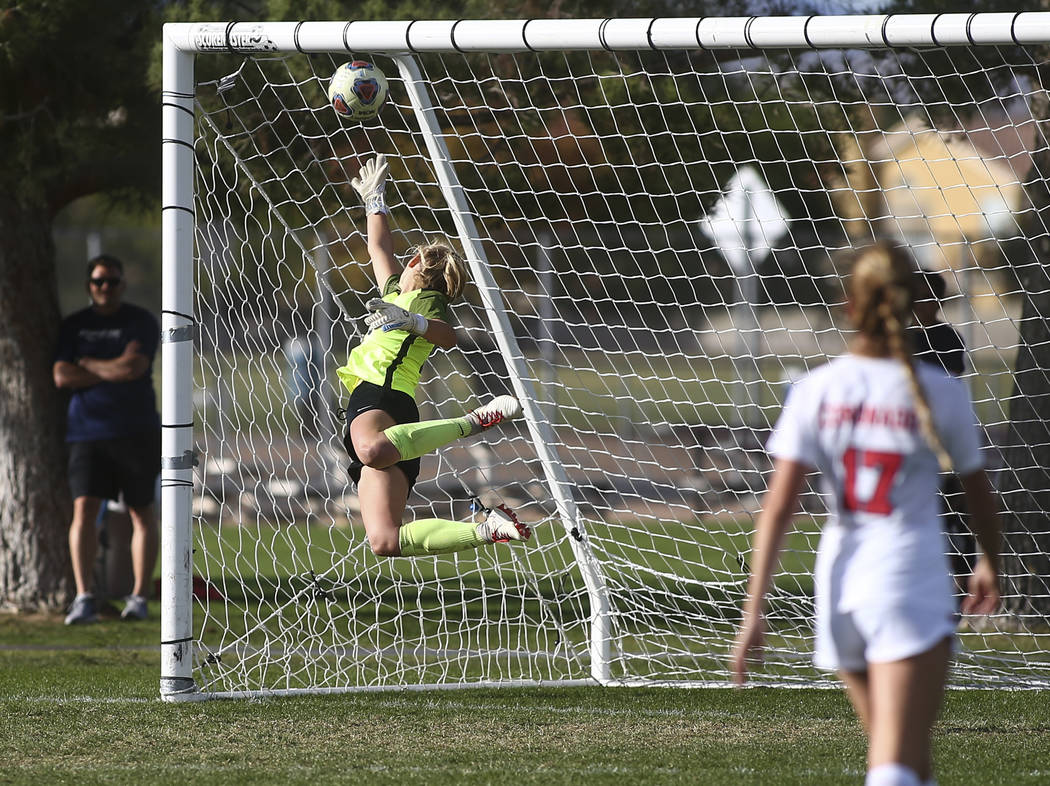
<point>437,536</point>
<point>413,440</point>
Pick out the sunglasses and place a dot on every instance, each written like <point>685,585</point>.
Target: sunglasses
<point>111,280</point>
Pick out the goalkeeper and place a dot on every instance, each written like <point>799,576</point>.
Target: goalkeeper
<point>384,438</point>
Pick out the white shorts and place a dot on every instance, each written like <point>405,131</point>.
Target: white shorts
<point>850,640</point>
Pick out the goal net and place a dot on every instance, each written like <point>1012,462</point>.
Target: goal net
<point>654,213</point>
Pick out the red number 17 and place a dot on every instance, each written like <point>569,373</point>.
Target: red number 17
<point>887,465</point>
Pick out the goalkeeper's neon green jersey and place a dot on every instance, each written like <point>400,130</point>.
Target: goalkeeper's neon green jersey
<point>395,358</point>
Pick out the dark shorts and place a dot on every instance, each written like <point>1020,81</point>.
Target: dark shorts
<point>400,406</point>
<point>104,468</point>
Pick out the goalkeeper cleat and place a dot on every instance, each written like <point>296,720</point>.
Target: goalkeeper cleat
<point>495,412</point>
<point>502,526</point>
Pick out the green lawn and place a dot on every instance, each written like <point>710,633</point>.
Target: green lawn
<point>506,613</point>
<point>593,391</point>
<point>81,706</point>
<point>310,605</point>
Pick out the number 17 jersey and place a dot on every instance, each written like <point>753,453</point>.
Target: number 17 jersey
<point>855,420</point>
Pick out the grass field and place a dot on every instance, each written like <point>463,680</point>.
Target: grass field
<point>592,390</point>
<point>529,602</point>
<point>487,617</point>
<point>82,706</point>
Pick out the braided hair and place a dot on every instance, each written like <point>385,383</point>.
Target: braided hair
<point>882,288</point>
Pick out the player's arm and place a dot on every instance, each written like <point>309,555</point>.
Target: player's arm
<point>778,511</point>
<point>130,365</point>
<point>440,334</point>
<point>962,440</point>
<point>381,248</point>
<point>983,597</point>
<point>388,316</point>
<point>370,183</point>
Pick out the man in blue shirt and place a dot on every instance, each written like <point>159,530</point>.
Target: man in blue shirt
<point>105,358</point>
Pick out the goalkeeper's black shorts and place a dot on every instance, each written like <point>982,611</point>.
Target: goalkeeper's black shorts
<point>400,406</point>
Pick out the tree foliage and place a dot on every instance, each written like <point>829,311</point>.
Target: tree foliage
<point>77,113</point>
<point>77,117</point>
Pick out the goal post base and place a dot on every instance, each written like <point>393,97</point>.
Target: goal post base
<point>180,689</point>
<point>198,695</point>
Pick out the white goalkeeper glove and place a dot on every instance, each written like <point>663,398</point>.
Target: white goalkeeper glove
<point>370,183</point>
<point>386,316</point>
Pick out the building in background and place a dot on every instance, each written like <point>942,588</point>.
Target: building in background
<point>952,195</point>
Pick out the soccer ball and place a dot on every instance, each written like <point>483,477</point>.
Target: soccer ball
<point>357,90</point>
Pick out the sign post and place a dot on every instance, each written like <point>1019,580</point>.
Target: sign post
<point>745,224</point>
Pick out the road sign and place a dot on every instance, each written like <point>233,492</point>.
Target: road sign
<point>746,222</point>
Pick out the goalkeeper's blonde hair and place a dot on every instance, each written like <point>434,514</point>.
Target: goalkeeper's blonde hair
<point>882,287</point>
<point>441,268</point>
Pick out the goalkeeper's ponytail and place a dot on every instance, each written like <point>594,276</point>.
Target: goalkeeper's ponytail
<point>882,286</point>
<point>441,268</point>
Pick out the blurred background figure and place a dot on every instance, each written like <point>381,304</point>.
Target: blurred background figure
<point>936,342</point>
<point>305,374</point>
<point>114,571</point>
<point>105,358</point>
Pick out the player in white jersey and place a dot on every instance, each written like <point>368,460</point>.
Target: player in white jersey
<point>879,428</point>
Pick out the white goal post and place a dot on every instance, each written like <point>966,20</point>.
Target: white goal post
<point>652,211</point>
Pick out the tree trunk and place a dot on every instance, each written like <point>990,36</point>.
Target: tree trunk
<point>1025,479</point>
<point>35,507</point>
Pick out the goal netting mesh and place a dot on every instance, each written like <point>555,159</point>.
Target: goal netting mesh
<point>665,230</point>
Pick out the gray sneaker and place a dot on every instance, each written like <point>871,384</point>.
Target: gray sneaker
<point>134,608</point>
<point>82,611</point>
